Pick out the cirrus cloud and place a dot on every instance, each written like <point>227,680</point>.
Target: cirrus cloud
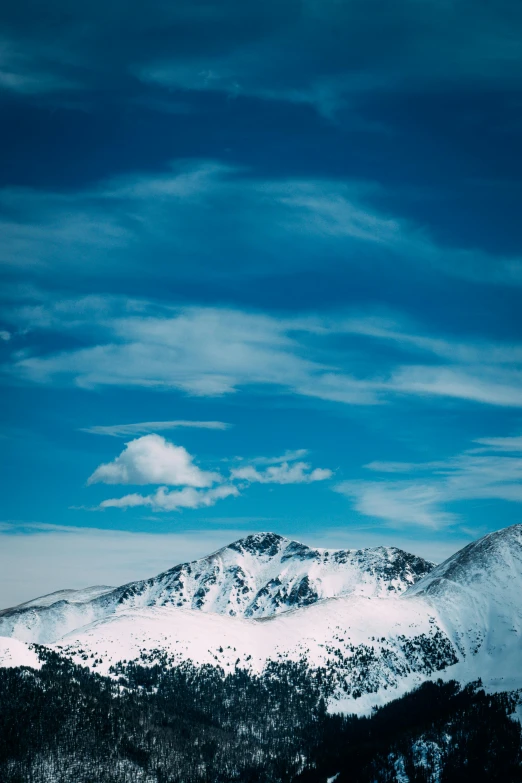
<point>145,427</point>
<point>421,496</point>
<point>210,351</point>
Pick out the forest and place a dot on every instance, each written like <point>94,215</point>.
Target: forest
<point>161,724</point>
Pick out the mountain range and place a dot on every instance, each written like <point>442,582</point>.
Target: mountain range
<point>372,623</point>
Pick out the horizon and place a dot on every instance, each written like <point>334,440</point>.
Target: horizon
<point>260,269</point>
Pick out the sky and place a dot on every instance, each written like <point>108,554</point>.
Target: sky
<point>261,270</point>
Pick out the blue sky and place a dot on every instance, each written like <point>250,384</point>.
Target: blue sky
<point>261,269</point>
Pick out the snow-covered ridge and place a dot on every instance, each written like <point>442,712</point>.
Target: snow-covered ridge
<point>258,576</point>
<point>71,596</point>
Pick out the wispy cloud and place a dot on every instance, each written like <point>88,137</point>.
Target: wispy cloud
<point>421,48</point>
<point>288,456</point>
<point>513,443</point>
<point>146,427</point>
<point>24,71</point>
<point>398,503</point>
<point>421,499</point>
<point>165,500</point>
<point>284,473</point>
<point>209,208</point>
<point>211,352</point>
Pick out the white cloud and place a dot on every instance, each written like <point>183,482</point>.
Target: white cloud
<point>153,460</point>
<point>211,352</point>
<point>145,427</point>
<point>203,352</point>
<point>284,473</point>
<point>5,335</point>
<point>421,500</point>
<point>163,500</point>
<point>399,503</point>
<point>490,385</point>
<point>501,444</point>
<point>402,467</point>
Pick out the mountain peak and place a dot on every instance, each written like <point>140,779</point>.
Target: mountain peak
<point>492,559</point>
<point>265,543</point>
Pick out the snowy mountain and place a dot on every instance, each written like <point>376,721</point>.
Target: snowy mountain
<point>477,596</point>
<point>71,596</point>
<point>258,576</point>
<point>370,623</point>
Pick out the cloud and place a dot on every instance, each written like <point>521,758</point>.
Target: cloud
<point>207,209</point>
<point>284,473</point>
<point>421,501</point>
<point>5,335</point>
<point>513,443</point>
<point>145,427</point>
<point>482,383</point>
<point>288,456</point>
<point>398,503</point>
<point>153,460</point>
<point>402,467</point>
<point>20,74</point>
<point>412,47</point>
<point>201,351</point>
<point>208,351</point>
<point>163,500</point>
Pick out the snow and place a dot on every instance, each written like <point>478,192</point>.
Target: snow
<point>361,641</point>
<point>16,653</point>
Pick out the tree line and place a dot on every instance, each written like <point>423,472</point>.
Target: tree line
<point>155,723</point>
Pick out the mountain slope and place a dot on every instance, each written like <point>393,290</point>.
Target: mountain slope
<point>258,576</point>
<point>363,645</point>
<point>476,593</point>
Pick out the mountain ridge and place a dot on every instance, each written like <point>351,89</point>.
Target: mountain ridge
<point>256,576</point>
<point>461,619</point>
